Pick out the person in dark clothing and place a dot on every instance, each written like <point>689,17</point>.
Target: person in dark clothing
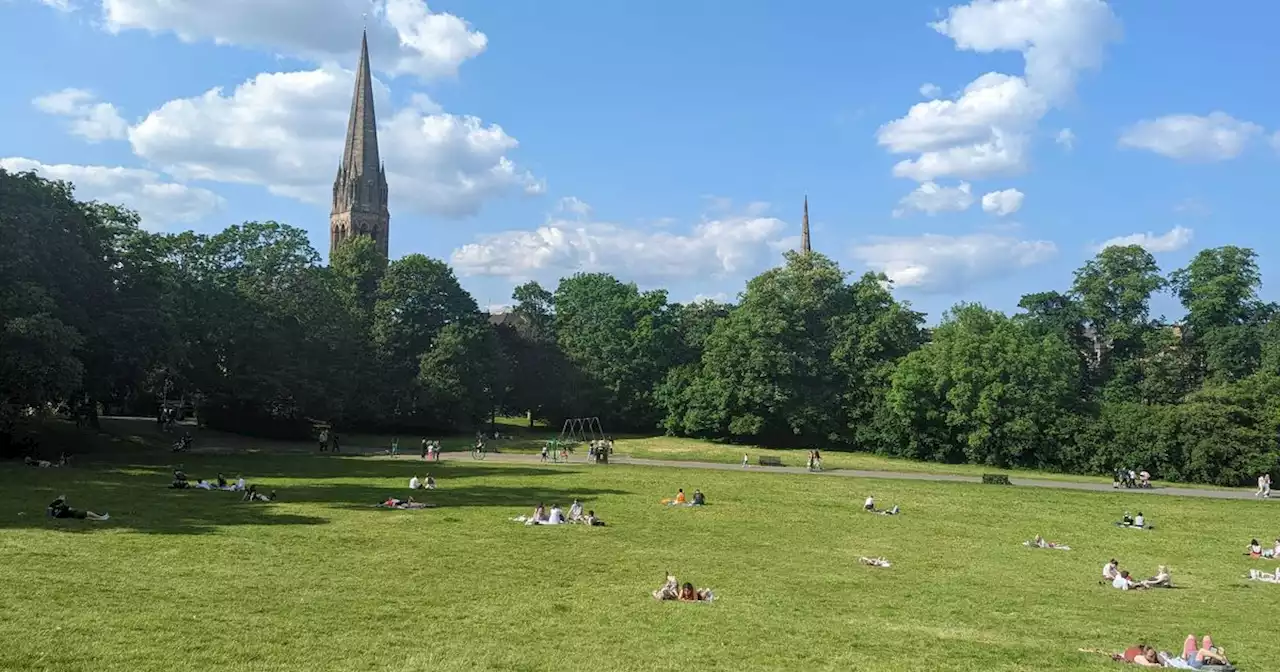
<point>60,509</point>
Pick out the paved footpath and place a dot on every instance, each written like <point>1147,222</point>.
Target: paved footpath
<point>1238,493</point>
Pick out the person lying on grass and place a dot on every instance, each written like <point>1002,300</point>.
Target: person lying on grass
<point>252,495</point>
<point>592,520</point>
<point>875,562</point>
<point>1256,575</point>
<point>59,509</point>
<point>1139,655</point>
<point>1193,657</point>
<point>870,507</point>
<point>44,464</point>
<point>393,503</point>
<point>672,590</point>
<point>1039,542</point>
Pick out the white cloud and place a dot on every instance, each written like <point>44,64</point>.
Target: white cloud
<point>932,199</point>
<point>986,130</point>
<point>159,202</point>
<point>1216,137</point>
<point>930,91</point>
<point>1066,138</point>
<point>285,131</point>
<point>1004,202</point>
<point>938,263</point>
<point>574,205</point>
<point>730,245</point>
<point>405,36</point>
<point>60,5</point>
<point>1177,238</point>
<point>91,120</point>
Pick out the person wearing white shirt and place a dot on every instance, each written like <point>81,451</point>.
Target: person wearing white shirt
<point>414,483</point>
<point>429,484</point>
<point>1111,570</point>
<point>1139,521</point>
<point>1122,582</point>
<point>870,504</point>
<point>556,517</point>
<point>575,510</point>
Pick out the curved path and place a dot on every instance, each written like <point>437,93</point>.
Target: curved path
<point>523,458</point>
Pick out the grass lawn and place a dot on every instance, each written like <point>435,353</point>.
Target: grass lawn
<point>321,581</point>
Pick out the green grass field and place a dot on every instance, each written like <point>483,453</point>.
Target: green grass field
<point>321,581</point>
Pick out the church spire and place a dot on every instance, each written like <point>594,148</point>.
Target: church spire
<point>360,189</point>
<point>804,228</point>
<point>361,151</point>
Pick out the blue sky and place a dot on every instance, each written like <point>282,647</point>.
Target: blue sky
<point>672,143</point>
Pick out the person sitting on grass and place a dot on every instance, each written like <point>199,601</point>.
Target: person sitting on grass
<point>252,495</point>
<point>539,516</point>
<point>222,482</point>
<point>870,504</point>
<point>1139,521</point>
<point>874,562</point>
<point>1254,550</point>
<point>1162,579</point>
<point>1040,542</point>
<point>179,480</point>
<point>415,483</point>
<point>677,501</point>
<point>1124,582</point>
<point>1111,570</point>
<point>699,499</point>
<point>1195,657</point>
<point>575,511</point>
<point>429,484</point>
<point>60,509</point>
<point>592,520</point>
<point>556,517</point>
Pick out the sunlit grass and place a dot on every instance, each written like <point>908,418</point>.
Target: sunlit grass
<point>321,581</point>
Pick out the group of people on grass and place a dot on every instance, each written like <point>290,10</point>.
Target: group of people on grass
<point>416,483</point>
<point>1122,580</point>
<point>1256,551</point>
<point>672,590</point>
<point>251,493</point>
<point>430,449</point>
<point>1194,656</point>
<point>556,516</point>
<point>1138,522</point>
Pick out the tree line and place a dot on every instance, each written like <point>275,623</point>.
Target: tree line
<point>97,313</point>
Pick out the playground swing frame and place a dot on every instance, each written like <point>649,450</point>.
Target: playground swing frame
<point>580,430</point>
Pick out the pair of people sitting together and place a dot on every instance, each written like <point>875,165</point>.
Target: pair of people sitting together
<point>1204,656</point>
<point>870,506</point>
<point>1123,581</point>
<point>698,499</point>
<point>672,590</point>
<point>393,503</point>
<point>1040,542</point>
<point>1137,522</point>
<point>60,509</point>
<point>1255,550</point>
<point>416,483</point>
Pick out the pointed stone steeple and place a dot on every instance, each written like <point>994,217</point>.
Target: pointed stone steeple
<point>360,189</point>
<point>804,229</point>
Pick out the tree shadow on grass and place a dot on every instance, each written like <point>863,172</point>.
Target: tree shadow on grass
<point>138,499</point>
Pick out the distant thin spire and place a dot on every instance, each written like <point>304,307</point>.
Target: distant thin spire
<point>804,228</point>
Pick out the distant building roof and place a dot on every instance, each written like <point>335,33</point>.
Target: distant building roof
<point>507,319</point>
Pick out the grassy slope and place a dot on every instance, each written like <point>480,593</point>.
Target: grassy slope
<point>320,581</point>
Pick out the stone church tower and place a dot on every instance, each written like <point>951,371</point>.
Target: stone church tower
<point>360,190</point>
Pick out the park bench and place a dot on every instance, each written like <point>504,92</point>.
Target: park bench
<point>996,479</point>
<point>770,461</point>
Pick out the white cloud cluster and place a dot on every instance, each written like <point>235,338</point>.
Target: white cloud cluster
<point>1177,238</point>
<point>932,199</point>
<point>1188,137</point>
<point>1003,202</point>
<point>285,131</point>
<point>405,36</point>
<point>159,202</point>
<point>92,120</point>
<point>938,263</point>
<point>729,245</point>
<point>930,90</point>
<point>1066,138</point>
<point>987,129</point>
